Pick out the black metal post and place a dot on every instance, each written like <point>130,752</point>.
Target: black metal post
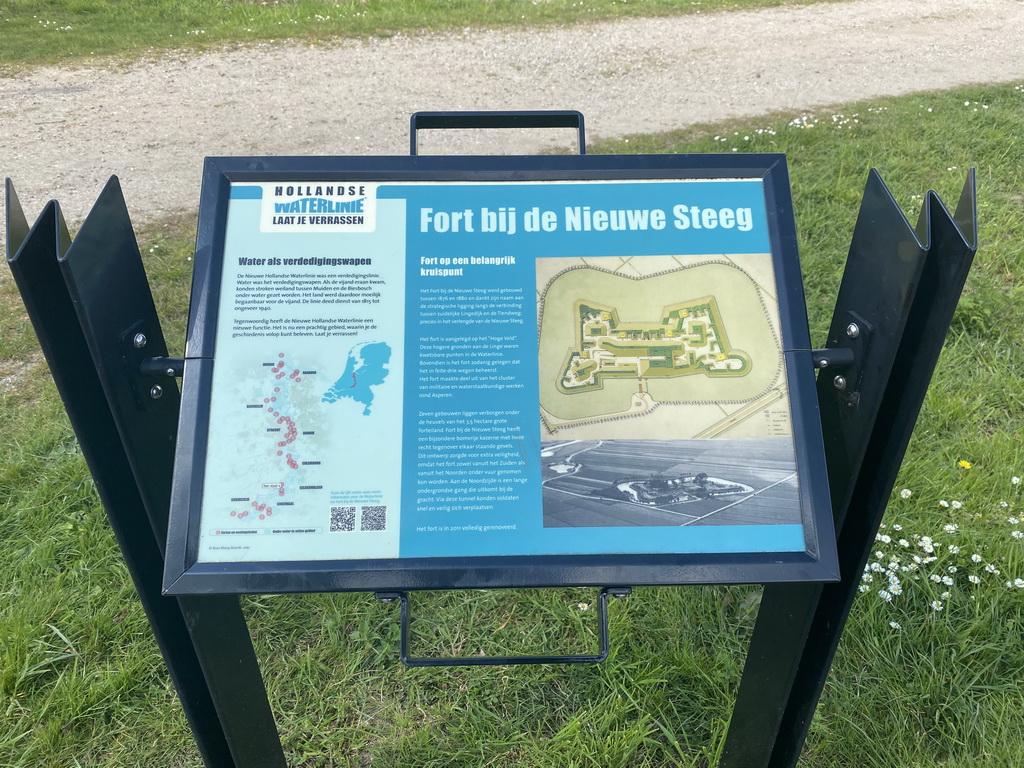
<point>895,303</point>
<point>204,640</point>
<point>952,242</point>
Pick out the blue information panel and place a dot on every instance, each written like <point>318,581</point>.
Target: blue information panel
<point>485,372</point>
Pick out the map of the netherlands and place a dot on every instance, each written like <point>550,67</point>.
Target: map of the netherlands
<point>366,367</point>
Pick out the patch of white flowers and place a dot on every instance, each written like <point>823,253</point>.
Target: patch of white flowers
<point>953,579</point>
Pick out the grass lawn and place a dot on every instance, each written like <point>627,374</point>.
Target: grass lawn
<point>931,675</point>
<point>35,32</point>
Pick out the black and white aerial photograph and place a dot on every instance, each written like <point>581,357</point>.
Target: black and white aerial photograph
<point>618,483</point>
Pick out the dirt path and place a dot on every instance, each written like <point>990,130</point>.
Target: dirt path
<point>66,130</point>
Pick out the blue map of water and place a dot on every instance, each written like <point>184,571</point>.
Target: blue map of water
<point>366,367</point>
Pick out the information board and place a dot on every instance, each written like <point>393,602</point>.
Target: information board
<point>480,372</point>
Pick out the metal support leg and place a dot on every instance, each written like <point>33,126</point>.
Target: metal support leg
<point>906,292</point>
<point>952,243</point>
<point>204,641</point>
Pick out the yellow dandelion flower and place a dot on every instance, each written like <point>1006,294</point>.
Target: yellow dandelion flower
<point>964,464</point>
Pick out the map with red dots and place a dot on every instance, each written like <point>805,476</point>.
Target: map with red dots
<point>285,403</point>
<point>279,420</point>
<point>289,450</point>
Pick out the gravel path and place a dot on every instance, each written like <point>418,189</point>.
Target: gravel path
<point>67,130</point>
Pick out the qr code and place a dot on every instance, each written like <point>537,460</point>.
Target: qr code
<point>373,518</point>
<point>343,518</point>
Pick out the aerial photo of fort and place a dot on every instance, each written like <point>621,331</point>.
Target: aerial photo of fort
<point>686,339</point>
<point>660,347</point>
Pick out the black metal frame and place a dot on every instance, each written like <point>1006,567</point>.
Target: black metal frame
<point>184,575</point>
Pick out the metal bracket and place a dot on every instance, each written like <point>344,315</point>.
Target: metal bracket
<point>171,367</point>
<point>145,372</point>
<point>133,344</point>
<point>840,357</point>
<point>479,661</point>
<point>848,344</point>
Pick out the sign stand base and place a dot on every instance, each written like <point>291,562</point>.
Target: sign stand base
<point>492,661</point>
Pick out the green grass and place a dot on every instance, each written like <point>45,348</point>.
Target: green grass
<point>81,682</point>
<point>35,32</point>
